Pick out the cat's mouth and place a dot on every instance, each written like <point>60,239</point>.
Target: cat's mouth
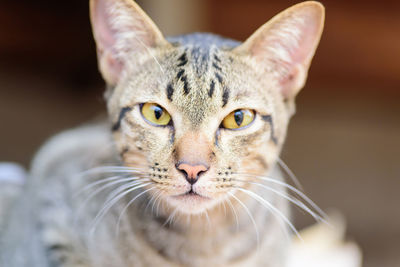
<point>191,194</point>
<point>192,202</point>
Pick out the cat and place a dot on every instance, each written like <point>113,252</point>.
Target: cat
<point>185,170</point>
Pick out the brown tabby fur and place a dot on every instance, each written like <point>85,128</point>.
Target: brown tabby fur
<point>199,79</point>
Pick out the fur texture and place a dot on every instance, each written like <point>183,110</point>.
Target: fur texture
<point>142,210</point>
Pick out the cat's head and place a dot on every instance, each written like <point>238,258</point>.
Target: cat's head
<point>197,113</point>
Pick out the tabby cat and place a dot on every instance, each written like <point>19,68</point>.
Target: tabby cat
<point>185,171</point>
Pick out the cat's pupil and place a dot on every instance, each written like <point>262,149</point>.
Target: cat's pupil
<point>238,117</point>
<point>158,112</point>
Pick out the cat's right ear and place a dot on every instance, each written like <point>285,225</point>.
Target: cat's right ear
<point>123,33</point>
<point>285,45</point>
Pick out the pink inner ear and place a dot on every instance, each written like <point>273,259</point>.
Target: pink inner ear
<point>289,45</point>
<point>289,82</point>
<point>106,38</point>
<point>300,57</point>
<point>104,33</point>
<point>121,28</point>
<point>114,67</point>
<point>303,53</point>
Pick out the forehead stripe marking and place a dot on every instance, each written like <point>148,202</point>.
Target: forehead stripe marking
<point>219,77</point>
<point>225,96</point>
<point>183,60</point>
<point>180,73</point>
<point>170,91</point>
<point>268,118</point>
<point>185,85</point>
<point>181,76</point>
<point>122,114</point>
<point>212,87</point>
<point>216,66</point>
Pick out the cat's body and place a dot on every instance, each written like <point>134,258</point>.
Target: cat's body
<point>198,122</point>
<point>48,221</point>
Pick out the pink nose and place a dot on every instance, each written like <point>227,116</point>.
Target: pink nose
<point>192,172</point>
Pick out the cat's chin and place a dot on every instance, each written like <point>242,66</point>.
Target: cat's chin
<point>191,203</point>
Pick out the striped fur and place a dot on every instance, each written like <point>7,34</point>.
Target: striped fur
<point>142,211</point>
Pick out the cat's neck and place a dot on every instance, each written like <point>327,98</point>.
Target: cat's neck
<point>227,234</point>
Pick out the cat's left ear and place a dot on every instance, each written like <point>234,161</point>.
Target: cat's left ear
<point>286,44</point>
<point>123,34</point>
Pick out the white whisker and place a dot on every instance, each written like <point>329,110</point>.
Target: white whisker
<point>289,172</point>
<point>291,199</point>
<point>98,190</point>
<point>207,218</point>
<point>105,180</point>
<point>151,200</point>
<point>293,189</point>
<point>155,201</point>
<point>127,206</point>
<point>234,212</point>
<point>150,53</point>
<point>103,169</point>
<point>251,217</point>
<point>158,208</point>
<point>271,207</point>
<point>125,186</point>
<point>170,217</point>
<point>111,203</point>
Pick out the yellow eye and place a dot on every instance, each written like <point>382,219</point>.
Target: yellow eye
<point>155,114</point>
<point>238,119</point>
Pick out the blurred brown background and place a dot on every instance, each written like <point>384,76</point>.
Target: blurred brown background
<point>343,144</point>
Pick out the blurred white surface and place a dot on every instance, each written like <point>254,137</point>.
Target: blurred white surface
<point>323,245</point>
<point>12,172</point>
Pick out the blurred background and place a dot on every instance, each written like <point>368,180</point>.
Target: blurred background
<point>343,144</point>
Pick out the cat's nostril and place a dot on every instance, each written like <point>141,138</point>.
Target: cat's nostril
<point>191,172</point>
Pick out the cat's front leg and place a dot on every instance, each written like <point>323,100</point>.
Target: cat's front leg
<point>59,241</point>
<point>62,255</point>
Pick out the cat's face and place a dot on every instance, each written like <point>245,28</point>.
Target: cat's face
<point>197,113</point>
<point>222,116</point>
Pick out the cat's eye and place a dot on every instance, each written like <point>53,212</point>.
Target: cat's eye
<point>238,119</point>
<point>155,114</point>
